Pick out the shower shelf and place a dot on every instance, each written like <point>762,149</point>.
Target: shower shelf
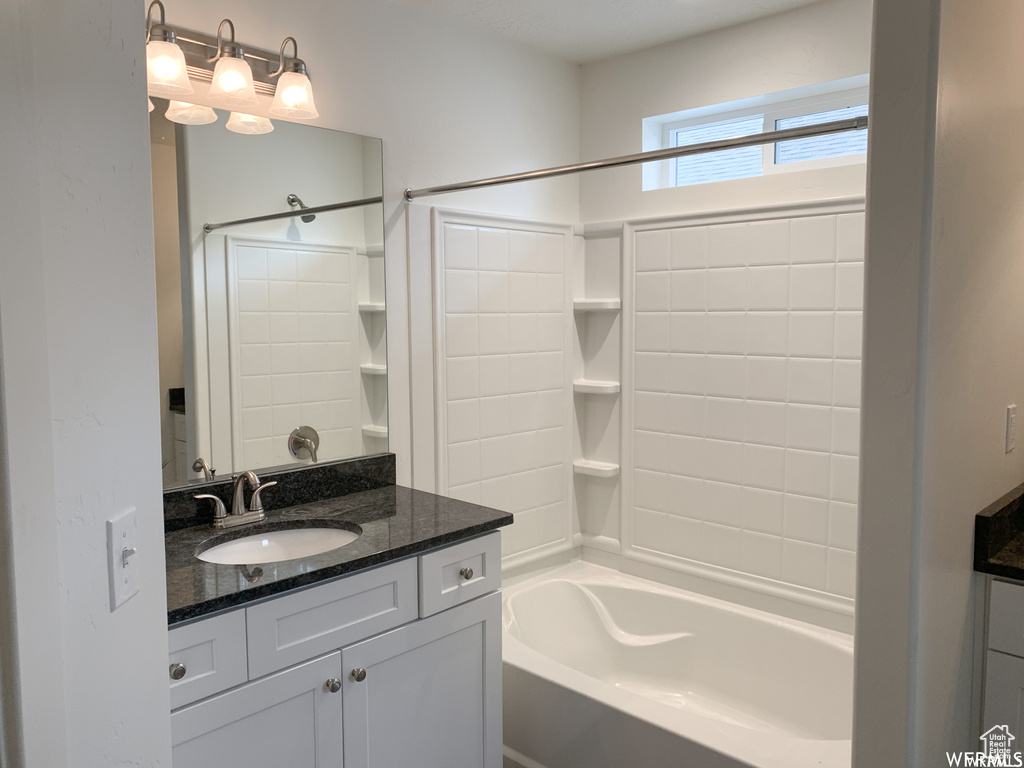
<point>596,305</point>
<point>371,306</point>
<point>374,369</point>
<point>595,468</point>
<point>592,387</point>
<point>373,430</point>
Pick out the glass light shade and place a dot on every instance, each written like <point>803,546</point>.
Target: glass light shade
<point>165,70</point>
<point>152,106</point>
<point>232,83</point>
<point>190,114</point>
<point>239,122</point>
<point>294,97</point>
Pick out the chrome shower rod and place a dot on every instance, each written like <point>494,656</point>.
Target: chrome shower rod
<point>292,214</point>
<point>787,134</point>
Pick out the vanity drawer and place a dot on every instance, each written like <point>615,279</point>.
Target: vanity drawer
<point>445,578</point>
<point>212,651</point>
<point>1006,618</point>
<point>326,617</point>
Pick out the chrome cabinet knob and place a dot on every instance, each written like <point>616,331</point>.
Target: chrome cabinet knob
<point>177,671</point>
<point>358,674</point>
<point>466,573</point>
<point>333,685</point>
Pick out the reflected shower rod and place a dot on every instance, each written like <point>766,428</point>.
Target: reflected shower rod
<point>786,134</point>
<point>292,214</point>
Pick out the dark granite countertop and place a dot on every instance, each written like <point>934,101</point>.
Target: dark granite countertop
<point>395,521</point>
<point>999,536</point>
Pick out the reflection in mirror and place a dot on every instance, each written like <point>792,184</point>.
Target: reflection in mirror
<point>274,326</point>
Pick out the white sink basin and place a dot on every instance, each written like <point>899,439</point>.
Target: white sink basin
<point>274,546</point>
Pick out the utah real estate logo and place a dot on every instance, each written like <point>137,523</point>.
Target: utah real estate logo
<point>996,750</point>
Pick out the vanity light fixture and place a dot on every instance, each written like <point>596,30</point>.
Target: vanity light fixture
<point>293,97</point>
<point>166,73</point>
<point>239,122</point>
<point>152,106</point>
<point>190,114</point>
<point>232,84</point>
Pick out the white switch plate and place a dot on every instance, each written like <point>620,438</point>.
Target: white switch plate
<point>123,557</point>
<point>1011,427</point>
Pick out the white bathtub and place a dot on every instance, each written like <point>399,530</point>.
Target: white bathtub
<point>604,670</point>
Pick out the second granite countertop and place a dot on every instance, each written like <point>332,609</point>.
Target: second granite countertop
<point>396,522</point>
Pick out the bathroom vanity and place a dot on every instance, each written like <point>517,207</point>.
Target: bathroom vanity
<point>385,652</point>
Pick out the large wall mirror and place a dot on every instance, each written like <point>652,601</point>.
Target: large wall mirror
<point>270,327</point>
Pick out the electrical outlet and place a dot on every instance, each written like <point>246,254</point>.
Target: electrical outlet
<point>123,557</point>
<point>1011,427</point>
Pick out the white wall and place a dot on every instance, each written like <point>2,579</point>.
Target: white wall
<point>818,43</point>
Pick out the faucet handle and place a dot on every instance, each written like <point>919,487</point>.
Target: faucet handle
<point>256,503</point>
<point>219,510</point>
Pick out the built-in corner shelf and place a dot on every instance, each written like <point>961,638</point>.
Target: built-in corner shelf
<point>596,305</point>
<point>595,468</point>
<point>590,387</point>
<point>373,430</point>
<point>374,369</point>
<point>369,307</point>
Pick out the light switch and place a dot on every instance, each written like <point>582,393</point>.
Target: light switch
<point>123,557</point>
<point>1011,427</point>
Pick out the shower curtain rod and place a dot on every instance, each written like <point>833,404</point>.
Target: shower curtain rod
<point>291,214</point>
<point>787,134</point>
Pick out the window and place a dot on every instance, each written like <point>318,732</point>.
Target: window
<point>788,109</point>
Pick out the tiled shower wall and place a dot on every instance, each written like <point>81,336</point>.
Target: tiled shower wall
<point>503,387</point>
<point>746,393</point>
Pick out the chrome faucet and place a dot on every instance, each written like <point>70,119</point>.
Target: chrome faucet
<point>239,515</point>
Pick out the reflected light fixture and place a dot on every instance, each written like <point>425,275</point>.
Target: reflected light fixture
<point>232,83</point>
<point>165,63</point>
<point>190,114</point>
<point>293,97</point>
<point>152,106</point>
<point>239,122</point>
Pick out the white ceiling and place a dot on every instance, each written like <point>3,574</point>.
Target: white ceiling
<point>589,30</point>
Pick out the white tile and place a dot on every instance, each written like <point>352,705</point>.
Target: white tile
<point>685,455</point>
<point>462,378</point>
<point>727,289</point>
<point>767,333</point>
<point>314,387</point>
<point>687,374</point>
<point>765,422</point>
<point>522,452</point>
<point>493,292</point>
<point>649,411</point>
<point>252,296</point>
<point>650,372</point>
<point>494,416</point>
<point>550,293</point>
<point>337,355</point>
<point>284,358</point>
<point>551,447</point>
<point>806,519</point>
<point>726,419</point>
<point>551,408</point>
<point>849,335</point>
<point>550,485</point>
<point>686,497</point>
<point>551,332</point>
<point>845,478</point>
<point>761,554</point>
<point>652,292</point>
<point>723,503</point>
<point>550,253</point>
<point>336,297</point>
<point>469,493</point>
<point>726,376</point>
<point>337,326</point>
<point>687,331</point>
<point>280,264</point>
<point>809,427</point>
<point>284,326</point>
<point>726,333</point>
<point>522,372</point>
<point>769,242</point>
<point>310,266</point>
<point>282,297</point>
<point>460,291</point>
<point>768,288</point>
<point>813,239</point>
<point>687,415</point>
<point>285,389</point>
<point>322,414</point>
<point>493,331</point>
<point>522,292</point>
<point>676,535</point>
<point>842,573</point>
<point>650,450</point>
<point>850,237</point>
<point>652,250</point>
<point>804,564</point>
<point>522,251</point>
<point>550,371</point>
<point>310,297</point>
<point>688,290</point>
<point>255,391</point>
<point>494,375</point>
<point>810,381</point>
<point>254,359</point>
<point>650,490</point>
<point>336,268</point>
<point>258,453</point>
<point>722,545</point>
<point>767,378</point>
<point>651,331</point>
<point>807,473</point>
<point>494,493</point>
<point>842,525</point>
<point>762,510</point>
<point>723,461</point>
<point>253,328</point>
<point>846,431</point>
<point>285,418</point>
<point>494,457</point>
<point>811,334</point>
<point>459,247</point>
<point>463,463</point>
<point>522,333</point>
<point>728,245</point>
<point>492,249</point>
<point>764,466</point>
<point>850,285</point>
<point>812,286</point>
<point>256,423</point>
<point>251,263</point>
<point>689,247</point>
<point>462,333</point>
<point>847,383</point>
<point>522,412</point>
<point>313,327</point>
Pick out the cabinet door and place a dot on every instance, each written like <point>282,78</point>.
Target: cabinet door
<point>1004,692</point>
<point>286,719</point>
<point>431,696</point>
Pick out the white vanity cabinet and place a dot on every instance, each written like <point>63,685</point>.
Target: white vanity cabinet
<point>346,673</point>
<point>1004,658</point>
